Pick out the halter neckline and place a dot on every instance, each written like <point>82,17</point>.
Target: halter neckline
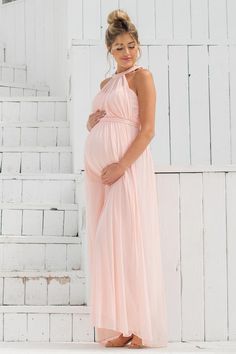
<point>127,70</point>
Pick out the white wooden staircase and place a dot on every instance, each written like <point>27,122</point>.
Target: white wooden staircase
<point>42,281</point>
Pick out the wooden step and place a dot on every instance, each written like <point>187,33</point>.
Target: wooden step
<point>36,159</point>
<point>33,109</point>
<point>13,73</point>
<point>28,188</point>
<point>42,288</point>
<point>46,324</point>
<point>42,255</point>
<point>34,134</point>
<point>8,88</point>
<point>31,219</point>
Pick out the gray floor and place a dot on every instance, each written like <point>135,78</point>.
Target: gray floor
<point>66,348</point>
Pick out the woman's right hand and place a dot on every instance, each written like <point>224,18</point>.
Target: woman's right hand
<point>94,118</point>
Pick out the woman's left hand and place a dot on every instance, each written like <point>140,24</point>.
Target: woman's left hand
<point>112,173</point>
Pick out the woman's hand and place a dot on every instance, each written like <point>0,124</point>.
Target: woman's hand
<point>112,173</point>
<point>94,118</point>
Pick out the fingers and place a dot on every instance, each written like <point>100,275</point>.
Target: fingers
<point>95,117</point>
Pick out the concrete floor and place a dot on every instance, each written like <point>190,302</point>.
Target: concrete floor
<point>66,348</point>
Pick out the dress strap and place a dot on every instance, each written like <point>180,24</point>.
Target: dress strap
<point>132,68</point>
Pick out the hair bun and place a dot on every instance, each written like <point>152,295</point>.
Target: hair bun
<point>117,16</point>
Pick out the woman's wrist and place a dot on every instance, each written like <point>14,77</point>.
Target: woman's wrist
<point>122,165</point>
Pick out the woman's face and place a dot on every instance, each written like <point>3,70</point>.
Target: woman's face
<point>124,50</point>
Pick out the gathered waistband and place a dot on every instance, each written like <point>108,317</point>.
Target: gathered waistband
<point>120,120</point>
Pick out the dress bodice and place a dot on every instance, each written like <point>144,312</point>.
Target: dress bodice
<point>117,98</point>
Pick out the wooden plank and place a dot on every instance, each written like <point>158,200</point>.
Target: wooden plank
<point>219,104</point>
<point>91,19</point>
<point>75,24</point>
<point>231,251</point>
<point>19,37</point>
<point>192,267</point>
<point>164,25</point>
<point>81,104</point>
<point>231,11</point>
<point>215,256</point>
<point>179,110</point>
<point>232,70</point>
<point>146,19</point>
<point>160,144</point>
<point>131,8</point>
<point>199,105</point>
<point>217,20</point>
<point>199,20</point>
<point>168,201</point>
<point>181,19</point>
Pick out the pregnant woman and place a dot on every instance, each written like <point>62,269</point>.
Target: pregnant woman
<point>127,294</point>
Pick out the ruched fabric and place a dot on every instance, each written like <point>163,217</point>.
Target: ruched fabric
<point>127,289</point>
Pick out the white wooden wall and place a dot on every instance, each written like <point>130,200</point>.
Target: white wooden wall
<point>190,47</point>
<point>35,34</point>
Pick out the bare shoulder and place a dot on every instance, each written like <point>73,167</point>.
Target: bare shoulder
<point>103,82</point>
<point>143,74</point>
<point>144,81</point>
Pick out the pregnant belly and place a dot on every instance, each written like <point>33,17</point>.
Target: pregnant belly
<point>106,143</point>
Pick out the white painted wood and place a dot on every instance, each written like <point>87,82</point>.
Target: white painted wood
<point>35,291</point>
<point>146,10</point>
<point>231,250</point>
<point>168,193</point>
<point>32,222</point>
<point>61,327</point>
<point>199,105</point>
<point>199,19</point>
<point>58,292</point>
<point>232,92</point>
<point>38,257</point>
<point>160,144</point>
<point>53,222</point>
<point>219,105</point>
<point>75,23</point>
<point>15,327</point>
<point>215,257</point>
<point>217,20</point>
<point>181,19</point>
<point>192,263</point>
<point>79,108</point>
<point>164,24</point>
<point>13,291</point>
<point>179,107</point>
<point>31,28</point>
<point>91,19</point>
<point>38,327</point>
<point>231,10</point>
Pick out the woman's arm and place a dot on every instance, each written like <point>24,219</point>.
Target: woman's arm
<point>147,104</point>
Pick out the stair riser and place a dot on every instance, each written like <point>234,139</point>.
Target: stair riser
<point>36,162</point>
<point>10,136</point>
<point>42,290</point>
<point>29,222</point>
<point>49,257</point>
<point>46,327</point>
<point>12,74</point>
<point>10,91</point>
<point>37,191</point>
<point>40,111</point>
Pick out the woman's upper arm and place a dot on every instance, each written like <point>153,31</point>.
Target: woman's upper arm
<point>146,92</point>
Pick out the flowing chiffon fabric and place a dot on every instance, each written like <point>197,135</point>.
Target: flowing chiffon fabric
<point>127,290</point>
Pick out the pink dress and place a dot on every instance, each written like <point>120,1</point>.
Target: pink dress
<point>127,289</point>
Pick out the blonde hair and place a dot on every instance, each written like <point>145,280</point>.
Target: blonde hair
<point>119,22</point>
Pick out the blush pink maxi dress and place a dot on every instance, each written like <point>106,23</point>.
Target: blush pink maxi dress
<point>127,289</point>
